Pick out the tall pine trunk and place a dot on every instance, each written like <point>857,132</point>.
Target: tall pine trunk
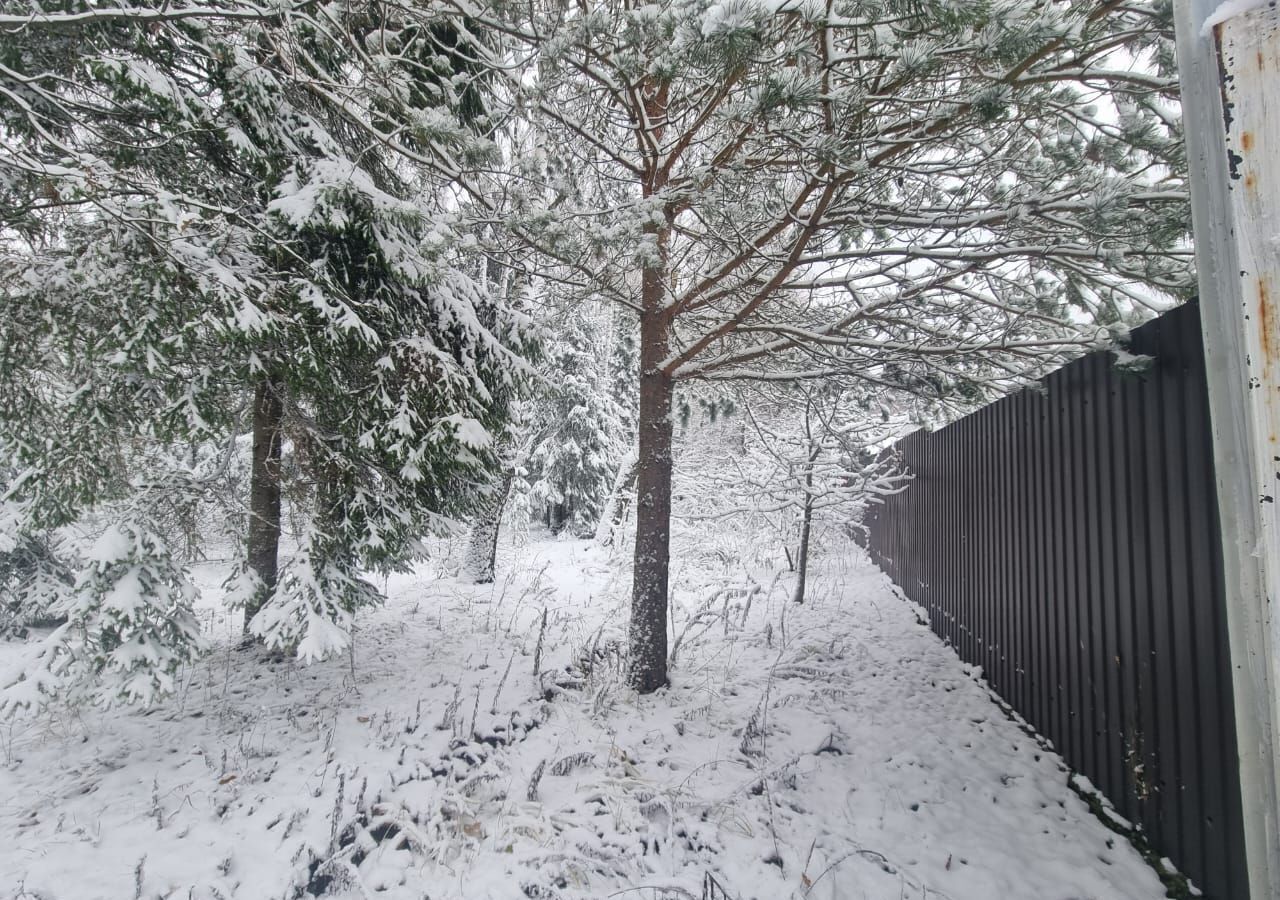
<point>264,492</point>
<point>648,634</point>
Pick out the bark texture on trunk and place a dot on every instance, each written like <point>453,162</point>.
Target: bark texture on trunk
<point>615,510</point>
<point>648,633</point>
<point>482,543</point>
<point>264,492</point>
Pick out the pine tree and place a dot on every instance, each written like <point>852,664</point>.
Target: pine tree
<point>785,190</point>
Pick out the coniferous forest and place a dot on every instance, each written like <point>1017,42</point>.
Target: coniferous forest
<point>435,436</point>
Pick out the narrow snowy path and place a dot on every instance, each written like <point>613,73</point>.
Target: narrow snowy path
<point>834,750</point>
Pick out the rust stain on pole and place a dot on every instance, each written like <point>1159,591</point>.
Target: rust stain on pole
<point>1251,96</point>
<point>1264,326</point>
<point>1267,317</point>
<point>1229,61</point>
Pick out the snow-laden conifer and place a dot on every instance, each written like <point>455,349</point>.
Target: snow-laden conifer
<point>35,575</point>
<point>311,612</point>
<point>234,220</point>
<point>129,627</point>
<point>887,191</point>
<point>580,430</point>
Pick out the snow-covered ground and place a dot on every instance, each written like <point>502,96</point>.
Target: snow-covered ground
<point>831,750</point>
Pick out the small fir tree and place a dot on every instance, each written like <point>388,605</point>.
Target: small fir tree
<point>582,431</point>
<point>129,627</point>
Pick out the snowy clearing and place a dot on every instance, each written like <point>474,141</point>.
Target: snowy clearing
<point>832,750</point>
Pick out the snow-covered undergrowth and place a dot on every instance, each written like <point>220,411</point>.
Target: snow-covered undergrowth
<point>480,743</point>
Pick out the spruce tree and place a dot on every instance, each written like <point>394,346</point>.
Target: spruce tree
<point>232,220</point>
<point>581,431</point>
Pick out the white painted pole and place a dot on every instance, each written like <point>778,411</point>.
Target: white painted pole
<point>1229,62</point>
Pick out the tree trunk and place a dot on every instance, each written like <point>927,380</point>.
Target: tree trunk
<point>264,492</point>
<point>648,635</point>
<point>802,557</point>
<point>482,544</point>
<point>556,517</point>
<point>615,510</point>
<point>806,519</point>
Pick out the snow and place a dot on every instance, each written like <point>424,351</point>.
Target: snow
<point>831,750</point>
<point>724,18</point>
<point>469,431</point>
<point>727,16</point>
<point>113,545</point>
<point>1229,9</point>
<point>126,594</point>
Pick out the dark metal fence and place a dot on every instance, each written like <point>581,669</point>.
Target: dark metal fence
<point>1066,540</point>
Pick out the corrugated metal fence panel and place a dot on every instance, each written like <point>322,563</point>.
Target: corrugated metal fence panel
<point>1066,540</point>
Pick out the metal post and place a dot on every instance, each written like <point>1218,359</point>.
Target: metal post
<point>1229,61</point>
